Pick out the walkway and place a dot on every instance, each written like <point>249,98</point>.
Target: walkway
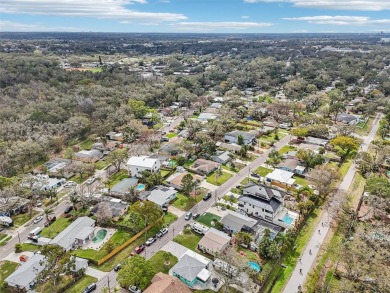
<point>308,256</point>
<point>95,273</point>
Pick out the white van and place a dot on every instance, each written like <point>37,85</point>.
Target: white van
<point>199,228</point>
<point>33,235</point>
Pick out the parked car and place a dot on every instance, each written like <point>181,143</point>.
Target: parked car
<point>23,258</point>
<point>91,180</point>
<point>150,241</point>
<point>164,231</point>
<point>39,203</point>
<point>134,289</point>
<point>69,184</point>
<point>90,288</point>
<point>165,207</point>
<point>38,219</point>
<point>255,175</point>
<point>51,221</point>
<point>138,250</point>
<point>207,196</point>
<point>68,209</point>
<point>194,216</point>
<point>117,267</point>
<point>164,139</point>
<point>188,216</point>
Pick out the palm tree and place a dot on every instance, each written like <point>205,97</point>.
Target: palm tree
<point>47,212</point>
<point>167,257</point>
<point>74,199</point>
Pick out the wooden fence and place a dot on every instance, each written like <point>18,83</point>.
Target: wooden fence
<point>127,243</point>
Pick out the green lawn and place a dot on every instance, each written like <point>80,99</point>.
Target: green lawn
<point>207,218</point>
<point>271,137</point>
<point>246,180</point>
<point>286,149</point>
<point>171,135</point>
<point>86,144</point>
<point>6,269</point>
<point>159,264</point>
<point>54,229</point>
<point>78,179</point>
<point>188,239</point>
<point>345,167</point>
<point>300,181</point>
<point>30,247</point>
<point>188,163</point>
<point>262,171</point>
<point>5,240</point>
<point>164,173</point>
<point>100,165</point>
<point>185,203</point>
<point>115,178</point>
<point>221,179</point>
<point>231,199</point>
<point>2,236</point>
<point>81,284</point>
<point>21,219</point>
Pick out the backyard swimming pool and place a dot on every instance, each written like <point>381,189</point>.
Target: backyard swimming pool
<point>288,219</point>
<point>100,235</point>
<point>140,187</point>
<point>254,266</point>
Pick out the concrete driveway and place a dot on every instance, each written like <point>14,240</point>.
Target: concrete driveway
<point>14,257</point>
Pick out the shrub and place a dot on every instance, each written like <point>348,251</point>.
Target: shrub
<point>18,247</point>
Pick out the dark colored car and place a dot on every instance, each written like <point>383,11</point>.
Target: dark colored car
<point>117,267</point>
<point>207,196</point>
<point>188,216</point>
<point>138,250</point>
<point>90,288</point>
<point>165,208</point>
<point>194,216</point>
<point>51,221</point>
<point>68,209</point>
<point>255,175</point>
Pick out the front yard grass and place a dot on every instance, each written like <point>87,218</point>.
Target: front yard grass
<point>218,180</point>
<point>171,135</point>
<point>262,171</point>
<point>185,203</point>
<point>286,149</point>
<point>100,165</point>
<point>271,137</point>
<point>6,269</point>
<point>300,180</point>
<point>159,263</point>
<point>207,218</point>
<point>56,228</point>
<point>164,173</point>
<point>188,239</point>
<point>81,284</point>
<point>30,247</point>
<point>21,219</point>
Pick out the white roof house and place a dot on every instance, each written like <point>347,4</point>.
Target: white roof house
<point>281,176</point>
<point>204,117</point>
<point>136,165</point>
<point>25,275</point>
<point>162,195</point>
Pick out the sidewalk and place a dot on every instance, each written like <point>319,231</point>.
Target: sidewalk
<point>95,273</point>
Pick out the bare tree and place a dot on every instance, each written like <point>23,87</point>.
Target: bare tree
<point>104,212</point>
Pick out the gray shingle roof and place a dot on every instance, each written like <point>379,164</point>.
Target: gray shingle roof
<point>124,185</point>
<point>188,267</point>
<point>261,191</point>
<point>27,272</point>
<point>271,205</point>
<point>245,135</point>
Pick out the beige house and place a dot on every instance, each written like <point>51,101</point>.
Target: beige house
<point>214,241</point>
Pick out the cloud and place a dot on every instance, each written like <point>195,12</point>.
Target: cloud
<point>11,26</point>
<point>341,20</point>
<point>245,16</point>
<point>363,5</point>
<point>219,25</point>
<point>110,9</point>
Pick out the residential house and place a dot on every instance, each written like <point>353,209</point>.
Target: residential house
<point>233,137</point>
<point>290,155</point>
<point>204,167</point>
<point>214,242</point>
<point>123,186</point>
<point>55,167</point>
<point>236,222</point>
<point>313,147</point>
<point>280,176</point>
<point>117,206</point>
<point>89,156</point>
<point>317,141</point>
<point>78,233</point>
<point>175,179</point>
<point>24,278</point>
<point>222,157</point>
<point>230,147</point>
<point>266,129</point>
<point>170,149</point>
<point>291,165</point>
<point>192,268</point>
<point>161,195</point>
<point>205,117</point>
<point>216,105</point>
<point>270,122</point>
<point>184,133</point>
<point>260,201</point>
<point>136,165</point>
<point>162,283</point>
<point>347,119</point>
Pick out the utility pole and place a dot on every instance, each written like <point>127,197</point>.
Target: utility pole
<point>108,284</point>
<point>18,236</point>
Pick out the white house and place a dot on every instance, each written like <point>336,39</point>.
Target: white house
<point>136,165</point>
<point>260,201</point>
<point>280,176</point>
<point>233,136</point>
<point>162,195</point>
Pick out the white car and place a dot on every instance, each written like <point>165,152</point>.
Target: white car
<point>38,219</point>
<point>69,184</point>
<point>91,180</point>
<point>39,203</point>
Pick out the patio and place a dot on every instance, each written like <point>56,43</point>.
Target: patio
<point>99,245</point>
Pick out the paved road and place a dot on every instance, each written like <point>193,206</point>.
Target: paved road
<point>176,227</point>
<point>25,229</point>
<point>308,256</point>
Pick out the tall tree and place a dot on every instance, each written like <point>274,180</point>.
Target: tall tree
<point>135,271</point>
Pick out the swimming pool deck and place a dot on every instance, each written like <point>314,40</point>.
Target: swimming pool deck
<point>98,246</point>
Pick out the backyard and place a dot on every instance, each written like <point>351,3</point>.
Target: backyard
<point>159,262</point>
<point>207,218</point>
<point>54,229</point>
<point>116,177</point>
<point>214,179</point>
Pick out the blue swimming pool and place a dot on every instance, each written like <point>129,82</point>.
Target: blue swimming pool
<point>287,219</point>
<point>140,187</point>
<point>254,266</point>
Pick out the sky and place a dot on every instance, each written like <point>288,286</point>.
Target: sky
<point>197,16</point>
